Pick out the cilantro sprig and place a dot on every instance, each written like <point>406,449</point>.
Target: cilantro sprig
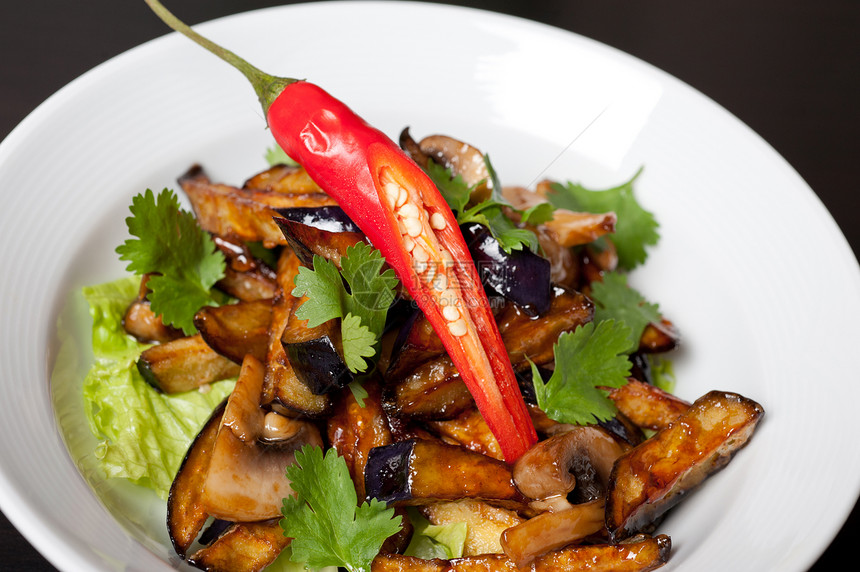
<point>586,360</point>
<point>489,212</point>
<point>636,227</point>
<point>327,525</point>
<point>614,299</point>
<point>362,307</point>
<point>180,256</point>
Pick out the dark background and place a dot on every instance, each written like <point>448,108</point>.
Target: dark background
<point>790,69</point>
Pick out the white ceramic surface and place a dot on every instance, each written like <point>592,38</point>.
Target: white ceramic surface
<point>750,266</point>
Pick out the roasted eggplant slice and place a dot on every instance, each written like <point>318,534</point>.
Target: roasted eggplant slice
<point>184,364</point>
<point>640,554</point>
<point>521,276</point>
<point>654,476</point>
<point>647,406</point>
<point>284,179</point>
<point>185,513</point>
<point>282,389</point>
<point>243,215</point>
<point>319,365</point>
<point>323,231</point>
<point>468,430</point>
<point>354,430</point>
<point>417,472</point>
<point>245,481</point>
<point>244,546</point>
<point>236,330</point>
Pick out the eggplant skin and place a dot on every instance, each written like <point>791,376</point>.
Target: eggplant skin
<point>654,476</point>
<point>418,472</point>
<point>641,554</point>
<point>185,513</point>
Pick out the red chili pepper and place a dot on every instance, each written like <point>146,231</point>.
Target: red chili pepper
<point>400,210</point>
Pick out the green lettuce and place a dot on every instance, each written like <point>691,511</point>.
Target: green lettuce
<point>143,434</point>
<point>430,541</point>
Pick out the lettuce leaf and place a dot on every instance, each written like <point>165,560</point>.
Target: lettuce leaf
<point>144,434</point>
<point>430,541</point>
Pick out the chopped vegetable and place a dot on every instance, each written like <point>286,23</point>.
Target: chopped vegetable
<point>435,540</point>
<point>615,300</point>
<point>636,227</point>
<point>362,308</point>
<point>326,523</point>
<point>587,359</point>
<point>144,434</point>
<point>182,258</point>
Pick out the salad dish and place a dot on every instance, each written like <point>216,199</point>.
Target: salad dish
<point>348,289</point>
<point>377,353</point>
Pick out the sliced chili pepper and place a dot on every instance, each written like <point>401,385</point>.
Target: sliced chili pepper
<point>403,214</point>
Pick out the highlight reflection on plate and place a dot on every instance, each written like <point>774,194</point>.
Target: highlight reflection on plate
<point>736,221</point>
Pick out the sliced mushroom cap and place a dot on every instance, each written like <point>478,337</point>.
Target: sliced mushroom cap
<point>246,479</point>
<point>546,472</point>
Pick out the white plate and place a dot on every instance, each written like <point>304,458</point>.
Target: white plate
<point>750,266</point>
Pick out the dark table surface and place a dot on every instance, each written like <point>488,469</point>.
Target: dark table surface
<point>790,69</point>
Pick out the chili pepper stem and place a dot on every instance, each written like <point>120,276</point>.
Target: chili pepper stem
<point>267,87</point>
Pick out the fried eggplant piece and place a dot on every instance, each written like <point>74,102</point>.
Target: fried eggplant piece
<point>485,523</point>
<point>284,179</point>
<point>324,231</point>
<point>236,330</point>
<point>244,546</point>
<point>468,430</point>
<point>641,554</point>
<point>659,337</point>
<point>184,364</point>
<point>354,430</point>
<point>417,472</point>
<point>185,513</point>
<point>654,476</point>
<point>243,215</point>
<point>646,405</point>
<point>400,563</point>
<point>245,276</point>
<point>282,389</point>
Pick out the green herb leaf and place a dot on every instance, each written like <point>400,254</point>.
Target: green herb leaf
<point>277,156</point>
<point>183,256</point>
<point>324,520</point>
<point>615,300</point>
<point>636,227</point>
<point>453,189</point>
<point>586,359</point>
<point>362,308</point>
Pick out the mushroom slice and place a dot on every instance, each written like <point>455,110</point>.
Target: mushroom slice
<point>552,530</point>
<point>545,473</point>
<point>246,480</point>
<point>654,476</point>
<point>461,159</point>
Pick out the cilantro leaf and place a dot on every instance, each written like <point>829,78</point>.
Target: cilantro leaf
<point>362,308</point>
<point>586,359</point>
<point>182,256</point>
<point>453,189</point>
<point>489,213</point>
<point>615,300</point>
<point>636,227</point>
<point>324,520</point>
